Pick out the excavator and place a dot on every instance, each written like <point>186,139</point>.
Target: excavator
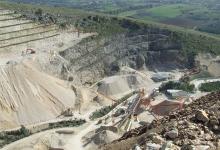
<point>30,51</point>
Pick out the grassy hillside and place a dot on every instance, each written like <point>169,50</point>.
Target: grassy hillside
<point>160,12</point>
<point>201,15</point>
<point>95,5</point>
<point>169,11</point>
<point>210,87</point>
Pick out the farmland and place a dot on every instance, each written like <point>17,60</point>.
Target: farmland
<point>158,13</point>
<point>198,15</point>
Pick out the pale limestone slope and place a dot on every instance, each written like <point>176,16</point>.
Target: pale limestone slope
<point>29,96</point>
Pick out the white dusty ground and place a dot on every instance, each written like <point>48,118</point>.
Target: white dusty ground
<point>28,96</point>
<point>46,139</point>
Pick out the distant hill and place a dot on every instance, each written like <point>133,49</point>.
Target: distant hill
<point>202,15</point>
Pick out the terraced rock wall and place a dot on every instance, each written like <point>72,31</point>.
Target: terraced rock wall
<point>94,58</point>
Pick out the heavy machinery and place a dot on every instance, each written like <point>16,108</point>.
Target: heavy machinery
<point>30,51</point>
<point>133,109</point>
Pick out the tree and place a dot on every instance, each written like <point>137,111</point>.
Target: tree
<point>24,131</point>
<point>39,12</point>
<point>63,25</point>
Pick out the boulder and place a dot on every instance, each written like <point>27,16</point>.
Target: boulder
<point>172,134</point>
<point>202,116</point>
<point>214,121</point>
<point>158,139</point>
<point>169,146</point>
<point>155,138</point>
<point>191,135</point>
<point>152,146</point>
<point>203,147</point>
<point>207,137</point>
<point>137,147</point>
<point>188,147</point>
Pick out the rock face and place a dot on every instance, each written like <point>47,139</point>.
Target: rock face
<point>195,127</point>
<point>92,59</point>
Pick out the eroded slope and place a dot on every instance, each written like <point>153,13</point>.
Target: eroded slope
<point>29,96</point>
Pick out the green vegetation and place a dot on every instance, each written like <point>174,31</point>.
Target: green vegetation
<point>101,112</point>
<point>107,6</point>
<point>194,14</point>
<point>177,86</point>
<point>169,11</point>
<point>212,27</point>
<point>128,13</point>
<point>7,137</point>
<point>68,123</point>
<point>11,136</point>
<point>210,87</point>
<point>105,110</point>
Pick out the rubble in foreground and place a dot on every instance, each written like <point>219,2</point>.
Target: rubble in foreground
<point>195,127</point>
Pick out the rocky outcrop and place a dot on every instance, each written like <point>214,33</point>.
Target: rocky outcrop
<point>195,127</point>
<point>94,58</point>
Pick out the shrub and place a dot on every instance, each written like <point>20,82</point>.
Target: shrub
<point>39,12</point>
<point>210,87</point>
<point>105,110</point>
<point>24,131</point>
<point>68,123</point>
<point>99,84</point>
<point>63,25</point>
<point>7,137</point>
<point>185,86</point>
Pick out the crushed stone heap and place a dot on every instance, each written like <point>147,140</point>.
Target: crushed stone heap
<point>195,127</point>
<point>29,96</point>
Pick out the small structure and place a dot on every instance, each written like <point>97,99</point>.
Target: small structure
<point>177,93</point>
<point>30,51</point>
<point>161,76</point>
